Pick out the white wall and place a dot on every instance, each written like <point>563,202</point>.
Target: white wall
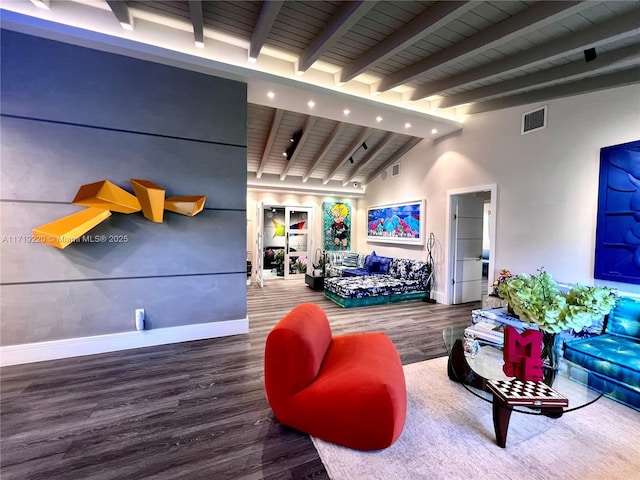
<point>547,181</point>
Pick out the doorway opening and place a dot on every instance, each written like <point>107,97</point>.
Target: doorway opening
<point>285,241</point>
<point>471,245</point>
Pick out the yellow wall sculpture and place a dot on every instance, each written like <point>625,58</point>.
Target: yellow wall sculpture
<point>107,195</point>
<point>63,232</point>
<point>103,197</point>
<point>151,198</point>
<point>189,206</point>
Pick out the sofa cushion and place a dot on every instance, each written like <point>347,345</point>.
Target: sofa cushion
<point>610,355</point>
<point>384,264</point>
<point>371,286</point>
<point>350,259</point>
<point>624,319</point>
<point>358,272</point>
<point>370,258</point>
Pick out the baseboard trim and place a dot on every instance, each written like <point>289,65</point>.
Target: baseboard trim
<point>75,347</point>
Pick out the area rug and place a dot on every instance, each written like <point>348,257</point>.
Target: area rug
<point>449,435</point>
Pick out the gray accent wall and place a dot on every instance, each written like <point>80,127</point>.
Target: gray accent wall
<point>72,116</point>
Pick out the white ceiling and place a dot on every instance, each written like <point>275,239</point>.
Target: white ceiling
<point>427,64</point>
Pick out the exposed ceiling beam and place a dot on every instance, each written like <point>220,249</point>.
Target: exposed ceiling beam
<point>618,79</point>
<point>369,158</point>
<point>195,7</point>
<point>342,21</point>
<point>337,131</point>
<point>616,59</point>
<point>122,13</point>
<point>534,18</point>
<point>268,14</point>
<point>393,159</point>
<point>424,24</point>
<point>350,151</point>
<point>615,29</point>
<point>275,125</point>
<point>308,127</point>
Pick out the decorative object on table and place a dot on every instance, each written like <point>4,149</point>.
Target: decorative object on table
<point>487,331</point>
<point>537,299</point>
<point>336,218</point>
<point>521,354</point>
<point>520,392</point>
<point>617,250</point>
<point>397,223</point>
<point>318,263</point>
<point>502,276</point>
<point>471,344</point>
<point>430,243</point>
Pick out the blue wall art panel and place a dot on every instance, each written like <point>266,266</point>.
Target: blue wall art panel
<point>618,230</point>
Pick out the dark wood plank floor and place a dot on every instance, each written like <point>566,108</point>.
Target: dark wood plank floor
<point>188,410</point>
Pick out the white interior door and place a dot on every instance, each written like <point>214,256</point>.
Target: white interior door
<point>259,256</point>
<point>468,211</point>
<point>297,226</point>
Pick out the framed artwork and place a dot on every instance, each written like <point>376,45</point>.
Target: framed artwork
<point>336,222</point>
<point>617,255</point>
<point>397,223</point>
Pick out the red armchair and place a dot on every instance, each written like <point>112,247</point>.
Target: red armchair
<point>347,389</point>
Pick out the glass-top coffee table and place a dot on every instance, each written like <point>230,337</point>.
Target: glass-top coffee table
<point>475,372</point>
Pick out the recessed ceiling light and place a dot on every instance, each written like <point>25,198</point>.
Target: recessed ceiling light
<point>378,118</point>
<point>284,154</point>
<point>346,111</point>
<point>311,103</point>
<point>44,4</point>
<point>271,94</point>
<point>434,131</point>
<point>407,125</point>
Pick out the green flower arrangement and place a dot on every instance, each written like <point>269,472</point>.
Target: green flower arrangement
<point>537,299</point>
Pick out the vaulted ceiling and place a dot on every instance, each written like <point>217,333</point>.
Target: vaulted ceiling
<point>407,70</point>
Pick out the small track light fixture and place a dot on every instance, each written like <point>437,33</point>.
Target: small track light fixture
<point>295,139</point>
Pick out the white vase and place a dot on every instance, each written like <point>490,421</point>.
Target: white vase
<point>317,273</point>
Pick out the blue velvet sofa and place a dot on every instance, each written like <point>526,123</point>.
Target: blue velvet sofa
<point>404,280</point>
<point>613,358</point>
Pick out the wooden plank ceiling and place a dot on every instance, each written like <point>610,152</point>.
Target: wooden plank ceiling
<point>478,56</point>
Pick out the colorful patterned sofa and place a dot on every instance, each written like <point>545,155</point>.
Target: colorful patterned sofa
<point>405,280</point>
<point>613,358</point>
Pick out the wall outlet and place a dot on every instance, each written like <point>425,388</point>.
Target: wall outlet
<point>139,318</point>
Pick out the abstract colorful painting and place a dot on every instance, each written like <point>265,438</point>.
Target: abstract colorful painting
<point>397,223</point>
<point>617,255</point>
<point>336,222</point>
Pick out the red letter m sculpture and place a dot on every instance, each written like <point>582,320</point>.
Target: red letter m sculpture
<point>522,354</point>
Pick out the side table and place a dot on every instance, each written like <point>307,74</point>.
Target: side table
<point>314,283</point>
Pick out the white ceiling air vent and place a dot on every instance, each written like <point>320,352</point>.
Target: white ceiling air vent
<point>534,120</point>
<point>395,170</point>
